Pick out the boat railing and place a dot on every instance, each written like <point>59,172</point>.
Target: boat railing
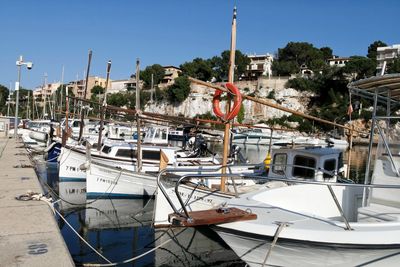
<point>211,174</point>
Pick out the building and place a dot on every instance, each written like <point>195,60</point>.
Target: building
<point>338,61</point>
<point>78,87</point>
<point>45,91</point>
<point>386,54</point>
<point>260,65</point>
<point>171,72</point>
<point>118,86</point>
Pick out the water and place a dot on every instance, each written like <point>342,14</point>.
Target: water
<point>121,229</point>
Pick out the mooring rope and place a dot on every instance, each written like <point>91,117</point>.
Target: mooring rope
<point>39,197</point>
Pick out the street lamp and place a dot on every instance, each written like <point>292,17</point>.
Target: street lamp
<point>29,66</point>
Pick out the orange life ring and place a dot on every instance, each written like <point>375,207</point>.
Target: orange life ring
<point>237,102</point>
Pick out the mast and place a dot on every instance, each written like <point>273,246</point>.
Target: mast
<point>84,94</point>
<point>65,133</point>
<point>8,102</point>
<point>228,103</point>
<point>61,89</point>
<point>45,94</point>
<point>28,115</point>
<point>102,110</point>
<point>138,112</point>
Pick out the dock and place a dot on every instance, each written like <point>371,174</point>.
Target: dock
<point>29,234</point>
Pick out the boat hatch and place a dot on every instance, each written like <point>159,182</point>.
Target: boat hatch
<point>211,217</point>
<point>313,164</point>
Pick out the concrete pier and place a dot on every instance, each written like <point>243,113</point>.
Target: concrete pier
<point>29,234</point>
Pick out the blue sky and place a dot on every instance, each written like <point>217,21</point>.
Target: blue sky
<point>56,33</point>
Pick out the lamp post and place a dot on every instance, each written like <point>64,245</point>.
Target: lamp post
<point>29,66</point>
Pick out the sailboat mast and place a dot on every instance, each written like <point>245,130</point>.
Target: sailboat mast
<point>228,103</point>
<point>84,93</point>
<point>138,112</point>
<point>102,109</point>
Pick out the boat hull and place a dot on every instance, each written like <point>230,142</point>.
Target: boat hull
<point>253,250</point>
<point>103,181</point>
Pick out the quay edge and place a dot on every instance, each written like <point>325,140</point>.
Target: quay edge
<point>29,234</point>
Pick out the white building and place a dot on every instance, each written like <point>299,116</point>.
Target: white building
<point>45,91</point>
<point>338,61</point>
<point>386,53</point>
<point>118,86</point>
<point>259,65</point>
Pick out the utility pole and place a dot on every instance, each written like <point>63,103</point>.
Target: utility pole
<point>138,112</point>
<point>29,66</point>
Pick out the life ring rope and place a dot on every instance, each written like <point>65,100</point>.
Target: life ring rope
<point>237,102</point>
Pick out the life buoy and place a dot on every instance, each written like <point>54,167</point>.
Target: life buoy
<point>237,102</point>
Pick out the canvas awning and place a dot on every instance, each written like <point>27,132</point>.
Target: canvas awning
<point>386,85</point>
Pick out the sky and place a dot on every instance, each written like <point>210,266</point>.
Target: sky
<point>53,34</point>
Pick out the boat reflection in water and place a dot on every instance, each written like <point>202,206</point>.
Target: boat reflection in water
<point>121,229</point>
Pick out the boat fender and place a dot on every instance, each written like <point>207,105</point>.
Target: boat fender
<point>237,102</point>
<point>84,166</point>
<point>50,147</point>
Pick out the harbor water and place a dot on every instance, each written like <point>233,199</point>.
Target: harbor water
<point>120,229</point>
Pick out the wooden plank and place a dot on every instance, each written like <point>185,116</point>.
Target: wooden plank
<point>210,217</point>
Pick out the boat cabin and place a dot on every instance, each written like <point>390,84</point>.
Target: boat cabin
<point>309,163</point>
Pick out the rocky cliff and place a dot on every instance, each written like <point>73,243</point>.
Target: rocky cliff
<point>200,100</point>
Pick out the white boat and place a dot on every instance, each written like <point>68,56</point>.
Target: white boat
<point>312,163</point>
<point>104,181</point>
<point>255,136</point>
<point>115,153</point>
<point>329,224</point>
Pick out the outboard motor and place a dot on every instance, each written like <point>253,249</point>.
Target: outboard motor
<point>237,155</point>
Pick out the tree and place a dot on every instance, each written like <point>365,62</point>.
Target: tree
<point>158,74</point>
<point>97,91</point>
<point>221,65</point>
<point>117,99</point>
<point>180,90</point>
<point>327,52</point>
<point>240,116</point>
<point>199,68</point>
<point>296,54</point>
<point>362,67</point>
<point>3,99</point>
<point>373,47</point>
<point>394,67</point>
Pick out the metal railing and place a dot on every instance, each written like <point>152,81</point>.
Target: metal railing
<point>198,173</point>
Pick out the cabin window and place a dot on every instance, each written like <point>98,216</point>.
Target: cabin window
<point>279,163</point>
<point>126,153</point>
<point>106,149</point>
<point>76,124</point>
<point>329,165</point>
<point>152,155</point>
<point>157,135</point>
<point>302,165</point>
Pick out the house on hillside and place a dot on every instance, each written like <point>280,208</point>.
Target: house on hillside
<point>386,54</point>
<point>171,72</point>
<point>260,65</point>
<point>338,61</point>
<point>78,87</point>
